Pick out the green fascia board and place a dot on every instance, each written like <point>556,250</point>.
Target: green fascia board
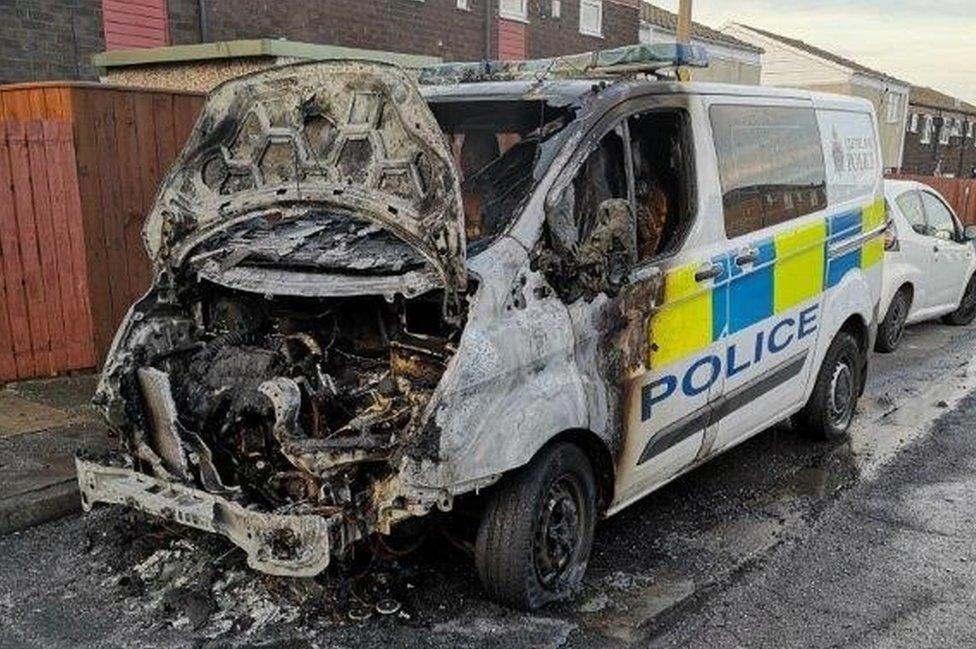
<point>262,47</point>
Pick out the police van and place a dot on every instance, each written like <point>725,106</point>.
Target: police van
<point>538,291</point>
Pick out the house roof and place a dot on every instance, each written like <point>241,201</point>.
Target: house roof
<point>667,20</point>
<point>931,98</point>
<point>824,54</point>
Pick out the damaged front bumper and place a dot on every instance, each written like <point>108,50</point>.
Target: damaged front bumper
<point>277,544</point>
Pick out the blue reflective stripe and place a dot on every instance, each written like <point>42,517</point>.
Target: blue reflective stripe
<point>751,292</point>
<point>841,227</point>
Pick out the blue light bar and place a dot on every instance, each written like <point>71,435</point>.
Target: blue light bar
<point>629,59</point>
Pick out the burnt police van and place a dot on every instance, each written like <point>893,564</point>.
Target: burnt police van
<point>536,291</point>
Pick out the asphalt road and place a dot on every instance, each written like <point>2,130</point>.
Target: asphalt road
<point>781,542</point>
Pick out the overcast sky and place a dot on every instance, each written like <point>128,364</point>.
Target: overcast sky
<point>921,41</point>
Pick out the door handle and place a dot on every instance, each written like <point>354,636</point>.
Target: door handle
<point>747,256</point>
<point>707,272</point>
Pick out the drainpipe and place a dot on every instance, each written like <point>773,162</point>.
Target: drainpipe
<point>202,21</point>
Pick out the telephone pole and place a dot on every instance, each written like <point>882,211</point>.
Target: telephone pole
<point>683,35</point>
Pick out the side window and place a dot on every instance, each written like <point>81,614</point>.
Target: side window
<point>601,177</point>
<point>910,205</point>
<point>662,160</point>
<point>771,165</point>
<point>941,222</point>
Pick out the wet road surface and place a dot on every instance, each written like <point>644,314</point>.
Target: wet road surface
<point>780,542</point>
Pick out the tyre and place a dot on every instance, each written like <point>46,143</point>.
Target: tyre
<point>893,326</point>
<point>829,411</point>
<point>537,530</point>
<point>967,307</point>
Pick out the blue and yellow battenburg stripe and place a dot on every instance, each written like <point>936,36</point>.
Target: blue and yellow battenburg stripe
<point>791,268</point>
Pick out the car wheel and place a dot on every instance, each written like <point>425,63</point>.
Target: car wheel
<point>830,410</point>
<point>537,530</point>
<point>967,307</point>
<point>893,326</point>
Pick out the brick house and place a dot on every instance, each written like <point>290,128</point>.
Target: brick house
<point>940,137</point>
<point>45,39</point>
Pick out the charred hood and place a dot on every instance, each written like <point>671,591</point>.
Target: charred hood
<point>296,144</point>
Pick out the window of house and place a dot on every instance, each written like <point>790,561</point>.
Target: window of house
<point>463,4</point>
<point>913,123</point>
<point>514,9</point>
<point>591,17</point>
<point>892,107</point>
<point>945,131</point>
<point>927,129</point>
<point>663,189</point>
<point>969,128</point>
<point>771,165</point>
<point>557,8</point>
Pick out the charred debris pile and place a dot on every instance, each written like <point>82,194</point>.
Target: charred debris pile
<point>283,400</point>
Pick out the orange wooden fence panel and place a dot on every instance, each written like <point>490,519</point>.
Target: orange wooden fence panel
<point>80,165</point>
<point>45,328</point>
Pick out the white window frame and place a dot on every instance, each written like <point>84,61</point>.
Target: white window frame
<point>557,9</point>
<point>970,128</point>
<point>946,131</point>
<point>587,30</point>
<point>514,10</point>
<point>913,123</point>
<point>927,126</point>
<point>463,5</point>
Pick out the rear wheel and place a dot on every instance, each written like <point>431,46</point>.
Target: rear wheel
<point>893,326</point>
<point>537,530</point>
<point>830,410</point>
<point>967,307</point>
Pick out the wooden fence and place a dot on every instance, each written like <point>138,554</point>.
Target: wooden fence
<point>79,169</point>
<point>960,192</point>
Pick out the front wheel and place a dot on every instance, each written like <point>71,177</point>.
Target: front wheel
<point>893,326</point>
<point>967,307</point>
<point>537,530</point>
<point>830,410</point>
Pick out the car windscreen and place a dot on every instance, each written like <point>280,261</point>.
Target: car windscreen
<point>502,148</point>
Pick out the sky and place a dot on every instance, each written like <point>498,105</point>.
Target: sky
<point>924,42</point>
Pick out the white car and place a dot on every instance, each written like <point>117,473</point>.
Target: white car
<point>929,266</point>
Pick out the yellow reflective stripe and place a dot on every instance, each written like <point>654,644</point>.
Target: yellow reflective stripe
<point>683,324</point>
<point>872,217</point>
<point>798,274</point>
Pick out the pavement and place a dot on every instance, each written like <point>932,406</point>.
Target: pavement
<point>42,425</point>
<point>780,542</point>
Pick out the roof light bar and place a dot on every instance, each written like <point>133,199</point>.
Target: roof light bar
<point>630,59</point>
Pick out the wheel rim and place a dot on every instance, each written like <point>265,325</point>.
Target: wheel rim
<point>559,536</point>
<point>898,317</point>
<point>842,395</point>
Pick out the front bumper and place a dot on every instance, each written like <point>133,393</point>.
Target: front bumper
<point>285,545</point>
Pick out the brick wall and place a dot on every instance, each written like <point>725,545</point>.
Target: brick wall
<point>957,158</point>
<point>435,27</point>
<point>552,36</point>
<point>184,21</point>
<point>49,39</point>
